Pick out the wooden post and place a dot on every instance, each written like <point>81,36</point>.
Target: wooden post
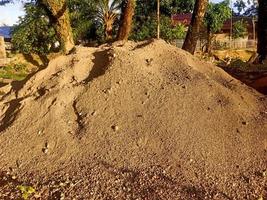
<point>158,16</point>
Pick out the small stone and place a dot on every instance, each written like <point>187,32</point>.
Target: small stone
<point>115,128</point>
<point>18,163</point>
<point>244,123</point>
<point>40,132</point>
<point>93,113</point>
<point>45,150</point>
<point>264,174</point>
<point>61,184</point>
<point>13,177</point>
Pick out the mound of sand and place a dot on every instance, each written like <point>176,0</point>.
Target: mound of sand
<point>139,121</point>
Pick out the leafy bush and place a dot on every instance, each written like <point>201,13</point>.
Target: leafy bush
<point>240,29</point>
<point>146,29</point>
<point>82,16</point>
<point>170,32</point>
<point>34,33</point>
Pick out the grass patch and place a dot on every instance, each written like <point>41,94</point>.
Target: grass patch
<point>16,71</point>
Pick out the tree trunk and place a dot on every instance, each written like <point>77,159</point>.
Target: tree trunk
<point>192,36</point>
<point>108,29</point>
<point>59,10</point>
<point>209,39</point>
<point>126,19</point>
<point>262,30</point>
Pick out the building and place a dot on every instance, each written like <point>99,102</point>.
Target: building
<point>222,38</point>
<point>226,29</point>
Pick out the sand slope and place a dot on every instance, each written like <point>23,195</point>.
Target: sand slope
<point>144,110</point>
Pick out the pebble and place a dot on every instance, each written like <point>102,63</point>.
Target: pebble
<point>115,128</point>
<point>45,150</point>
<point>264,174</point>
<point>18,163</point>
<point>244,123</point>
<point>46,145</point>
<point>40,132</point>
<point>93,113</point>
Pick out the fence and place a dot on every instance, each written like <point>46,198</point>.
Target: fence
<point>223,44</point>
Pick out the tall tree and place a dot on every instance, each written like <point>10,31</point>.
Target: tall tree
<point>108,12</point>
<point>262,29</point>
<point>192,36</point>
<point>216,15</point>
<point>126,19</point>
<point>60,15</point>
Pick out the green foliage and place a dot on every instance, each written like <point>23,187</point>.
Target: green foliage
<point>16,71</point>
<point>167,7</point>
<point>145,23</point>
<point>34,33</point>
<point>82,16</point>
<point>240,29</point>
<point>146,30</point>
<point>169,32</point>
<point>26,191</point>
<point>216,15</point>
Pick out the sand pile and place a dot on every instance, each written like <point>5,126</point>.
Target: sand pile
<point>144,120</point>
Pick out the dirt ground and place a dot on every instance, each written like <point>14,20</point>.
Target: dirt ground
<point>134,121</point>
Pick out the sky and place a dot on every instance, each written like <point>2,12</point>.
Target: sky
<point>10,13</point>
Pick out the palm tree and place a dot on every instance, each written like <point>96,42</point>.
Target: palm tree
<point>262,30</point>
<point>128,7</point>
<point>108,12</point>
<point>192,36</point>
